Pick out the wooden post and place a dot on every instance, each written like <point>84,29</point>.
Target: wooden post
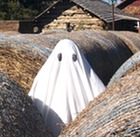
<point>113,18</point>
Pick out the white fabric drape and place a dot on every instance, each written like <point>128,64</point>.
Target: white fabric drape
<point>65,84</point>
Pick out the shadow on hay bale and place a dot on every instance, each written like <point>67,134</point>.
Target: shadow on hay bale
<point>131,39</point>
<point>116,112</point>
<point>127,67</point>
<point>18,116</point>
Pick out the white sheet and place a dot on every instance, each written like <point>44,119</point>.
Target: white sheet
<point>64,88</point>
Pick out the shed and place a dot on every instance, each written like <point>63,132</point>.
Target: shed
<point>79,15</point>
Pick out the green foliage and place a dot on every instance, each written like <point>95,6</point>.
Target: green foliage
<point>22,9</point>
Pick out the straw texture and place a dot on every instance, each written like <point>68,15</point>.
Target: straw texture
<point>127,67</point>
<point>116,112</point>
<point>18,115</point>
<point>20,62</point>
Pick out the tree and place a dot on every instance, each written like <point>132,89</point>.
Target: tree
<point>22,9</point>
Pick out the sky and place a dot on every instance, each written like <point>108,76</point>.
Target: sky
<point>110,1</point>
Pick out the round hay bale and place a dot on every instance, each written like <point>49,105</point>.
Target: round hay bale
<point>104,51</point>
<point>18,115</point>
<point>20,60</point>
<point>106,54</point>
<point>131,39</point>
<point>115,112</point>
<point>127,67</point>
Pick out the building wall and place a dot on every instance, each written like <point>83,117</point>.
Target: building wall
<point>76,19</point>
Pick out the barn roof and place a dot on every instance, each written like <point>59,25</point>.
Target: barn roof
<point>125,3</point>
<point>130,6</point>
<point>99,8</point>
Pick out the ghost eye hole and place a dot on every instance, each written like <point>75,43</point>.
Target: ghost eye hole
<point>59,56</point>
<point>74,57</point>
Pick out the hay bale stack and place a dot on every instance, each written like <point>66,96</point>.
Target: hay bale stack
<point>116,112</point>
<point>105,52</point>
<point>18,115</point>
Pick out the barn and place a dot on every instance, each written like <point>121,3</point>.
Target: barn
<point>79,15</point>
<point>131,7</point>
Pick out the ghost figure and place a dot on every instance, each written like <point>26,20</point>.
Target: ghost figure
<point>64,85</point>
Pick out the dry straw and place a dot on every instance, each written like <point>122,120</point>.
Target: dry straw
<point>20,64</point>
<point>18,115</point>
<point>115,113</point>
<point>126,68</point>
